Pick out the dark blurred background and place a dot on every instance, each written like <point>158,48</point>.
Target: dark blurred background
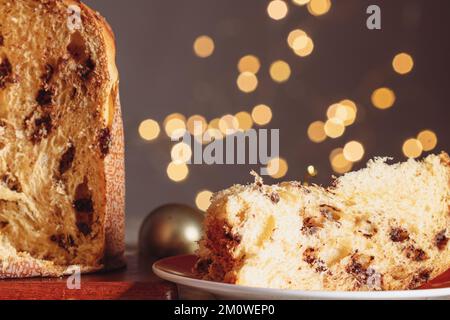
<point>161,74</point>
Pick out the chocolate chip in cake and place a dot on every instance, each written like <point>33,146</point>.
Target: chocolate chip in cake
<point>43,127</point>
<point>77,47</point>
<point>63,241</point>
<point>421,278</point>
<point>359,267</point>
<point>87,69</point>
<point>12,182</point>
<point>104,141</point>
<point>233,237</point>
<point>74,92</point>
<point>84,208</point>
<point>309,256</point>
<point>80,53</point>
<point>399,235</point>
<point>274,197</point>
<point>5,68</point>
<point>356,269</point>
<point>5,72</point>
<point>44,97</point>
<point>67,159</point>
<point>84,228</point>
<point>56,238</point>
<point>311,225</point>
<point>441,240</point>
<point>3,224</point>
<point>70,240</point>
<point>321,266</point>
<point>202,266</point>
<point>2,40</point>
<point>415,254</point>
<point>84,205</point>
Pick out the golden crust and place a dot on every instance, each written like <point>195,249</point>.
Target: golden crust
<point>28,267</point>
<point>114,161</point>
<point>115,192</point>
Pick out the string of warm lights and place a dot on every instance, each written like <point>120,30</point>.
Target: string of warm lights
<point>177,125</point>
<point>339,115</point>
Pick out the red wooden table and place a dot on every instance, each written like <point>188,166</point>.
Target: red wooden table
<point>137,281</point>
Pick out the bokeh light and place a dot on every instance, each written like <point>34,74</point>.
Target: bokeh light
<point>277,168</point>
<point>316,131</point>
<point>353,151</point>
<point>312,171</point>
<point>196,125</point>
<point>149,129</point>
<point>403,63</point>
<point>228,124</point>
<point>204,46</point>
<point>300,2</point>
<point>192,233</point>
<point>428,139</point>
<point>319,7</point>
<point>277,9</point>
<point>245,120</point>
<point>300,43</point>
<point>332,111</point>
<point>338,161</point>
<point>334,128</point>
<point>214,123</point>
<point>345,110</point>
<point>351,111</point>
<point>247,82</point>
<point>280,71</point>
<point>412,148</point>
<point>203,199</point>
<point>306,49</point>
<point>249,63</point>
<point>383,98</point>
<point>177,172</point>
<point>175,125</point>
<point>175,115</point>
<point>213,132</point>
<point>262,114</point>
<point>335,152</point>
<point>181,153</point>
<point>293,35</point>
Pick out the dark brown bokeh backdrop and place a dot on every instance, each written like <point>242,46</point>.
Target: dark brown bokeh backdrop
<point>161,75</point>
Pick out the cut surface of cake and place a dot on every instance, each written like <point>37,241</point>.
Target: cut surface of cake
<point>385,227</point>
<point>61,141</point>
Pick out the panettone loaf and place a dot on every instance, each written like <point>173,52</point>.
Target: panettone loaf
<point>61,141</point>
<point>385,227</point>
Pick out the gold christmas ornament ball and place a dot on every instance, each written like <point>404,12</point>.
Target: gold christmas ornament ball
<point>170,230</point>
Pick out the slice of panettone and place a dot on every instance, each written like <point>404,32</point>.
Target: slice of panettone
<point>385,227</point>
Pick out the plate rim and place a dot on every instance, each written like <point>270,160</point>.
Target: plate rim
<point>206,285</point>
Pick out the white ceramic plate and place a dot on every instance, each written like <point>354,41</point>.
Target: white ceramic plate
<point>179,270</point>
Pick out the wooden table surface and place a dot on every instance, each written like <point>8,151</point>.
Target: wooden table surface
<point>136,281</point>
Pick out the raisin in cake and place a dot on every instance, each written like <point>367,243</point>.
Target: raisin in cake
<point>61,140</point>
<point>385,227</point>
